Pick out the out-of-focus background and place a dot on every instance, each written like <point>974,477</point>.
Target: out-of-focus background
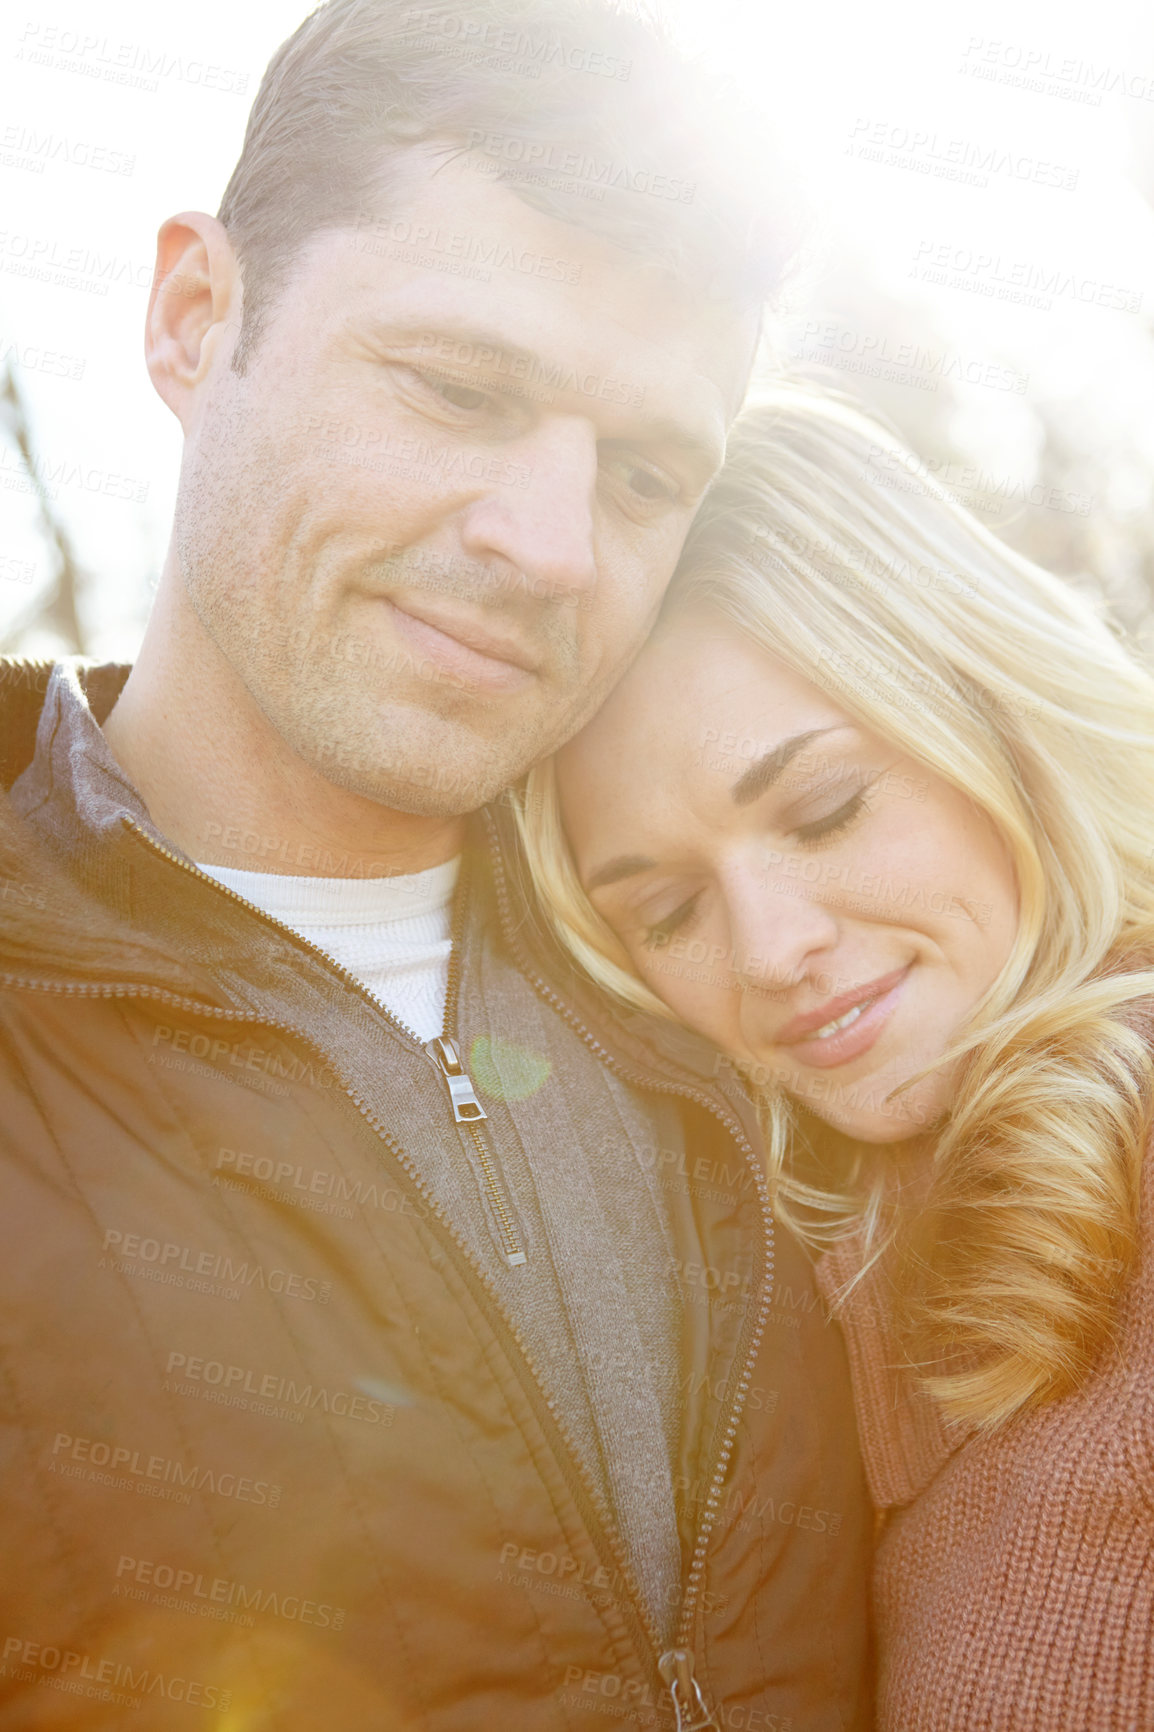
<point>979,179</point>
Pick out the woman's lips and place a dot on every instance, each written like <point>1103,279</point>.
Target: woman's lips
<point>863,1015</point>
<point>484,662</point>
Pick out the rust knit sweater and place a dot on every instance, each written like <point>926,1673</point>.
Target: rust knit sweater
<point>1014,1585</point>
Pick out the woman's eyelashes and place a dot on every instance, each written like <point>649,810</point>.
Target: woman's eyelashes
<point>812,834</point>
<point>825,829</point>
<point>658,935</point>
<point>818,830</point>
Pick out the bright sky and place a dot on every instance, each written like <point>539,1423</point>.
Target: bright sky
<point>956,156</point>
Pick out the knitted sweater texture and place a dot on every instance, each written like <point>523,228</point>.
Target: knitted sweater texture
<point>1014,1578</point>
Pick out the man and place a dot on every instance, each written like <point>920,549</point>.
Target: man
<point>396,1336</point>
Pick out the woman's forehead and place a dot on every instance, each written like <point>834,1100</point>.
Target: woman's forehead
<point>699,677</point>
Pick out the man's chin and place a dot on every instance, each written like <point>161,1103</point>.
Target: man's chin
<point>446,784</point>
<point>411,758</point>
<point>421,790</point>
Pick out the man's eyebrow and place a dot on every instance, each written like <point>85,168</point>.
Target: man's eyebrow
<point>430,337</point>
<point>764,773</point>
<point>624,866</point>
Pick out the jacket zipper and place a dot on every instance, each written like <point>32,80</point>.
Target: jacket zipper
<point>689,1705</point>
<point>467,1110</point>
<point>571,1462</point>
<point>676,1665</point>
<point>678,1661</point>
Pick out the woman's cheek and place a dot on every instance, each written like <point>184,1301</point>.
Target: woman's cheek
<point>706,1004</point>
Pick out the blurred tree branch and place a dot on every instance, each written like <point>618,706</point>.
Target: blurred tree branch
<point>55,610</point>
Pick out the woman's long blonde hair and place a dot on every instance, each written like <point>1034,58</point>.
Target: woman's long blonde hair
<point>831,547</point>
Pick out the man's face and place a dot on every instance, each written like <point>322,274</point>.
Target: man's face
<point>430,524</point>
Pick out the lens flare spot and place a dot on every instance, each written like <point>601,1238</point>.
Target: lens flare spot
<point>505,1071</point>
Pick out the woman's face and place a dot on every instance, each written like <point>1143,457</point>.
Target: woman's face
<point>792,885</point>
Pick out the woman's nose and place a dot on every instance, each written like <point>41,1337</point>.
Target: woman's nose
<point>778,929</point>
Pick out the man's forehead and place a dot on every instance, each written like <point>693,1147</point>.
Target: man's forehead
<point>462,252</point>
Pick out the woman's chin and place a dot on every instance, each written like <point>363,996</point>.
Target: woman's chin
<point>874,1130</point>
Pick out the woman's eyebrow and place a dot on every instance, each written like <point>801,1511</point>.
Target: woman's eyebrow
<point>764,773</point>
<point>624,866</point>
<point>760,776</point>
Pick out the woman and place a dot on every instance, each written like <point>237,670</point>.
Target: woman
<point>874,811</point>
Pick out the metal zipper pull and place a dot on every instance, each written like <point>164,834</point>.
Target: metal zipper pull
<point>467,1110</point>
<point>689,1705</point>
<point>466,1107</point>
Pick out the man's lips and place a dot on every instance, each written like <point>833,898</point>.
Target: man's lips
<point>470,651</point>
<point>866,1010</point>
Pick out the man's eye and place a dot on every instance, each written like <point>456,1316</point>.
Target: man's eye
<point>467,398</point>
<point>460,396</point>
<point>650,486</point>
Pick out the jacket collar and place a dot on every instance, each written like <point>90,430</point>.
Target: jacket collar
<point>118,908</point>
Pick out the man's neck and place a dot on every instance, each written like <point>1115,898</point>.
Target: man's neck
<point>221,783</point>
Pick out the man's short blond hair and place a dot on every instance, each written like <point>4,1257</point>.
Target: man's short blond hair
<point>582,107</point>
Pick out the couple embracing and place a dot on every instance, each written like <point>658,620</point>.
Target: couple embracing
<point>576,1031</point>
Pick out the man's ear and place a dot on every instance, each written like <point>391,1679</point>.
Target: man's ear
<point>194,307</point>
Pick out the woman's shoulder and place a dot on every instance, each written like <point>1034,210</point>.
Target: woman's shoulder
<point>905,1439</point>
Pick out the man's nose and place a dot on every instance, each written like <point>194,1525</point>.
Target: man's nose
<point>538,516</point>
<point>778,929</point>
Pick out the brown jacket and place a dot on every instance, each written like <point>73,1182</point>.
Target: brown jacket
<point>274,1457</point>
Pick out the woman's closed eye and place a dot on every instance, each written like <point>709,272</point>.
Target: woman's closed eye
<point>659,934</point>
<point>825,828</point>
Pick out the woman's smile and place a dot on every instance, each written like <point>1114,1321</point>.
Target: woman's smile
<point>852,1024</point>
<point>853,908</point>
